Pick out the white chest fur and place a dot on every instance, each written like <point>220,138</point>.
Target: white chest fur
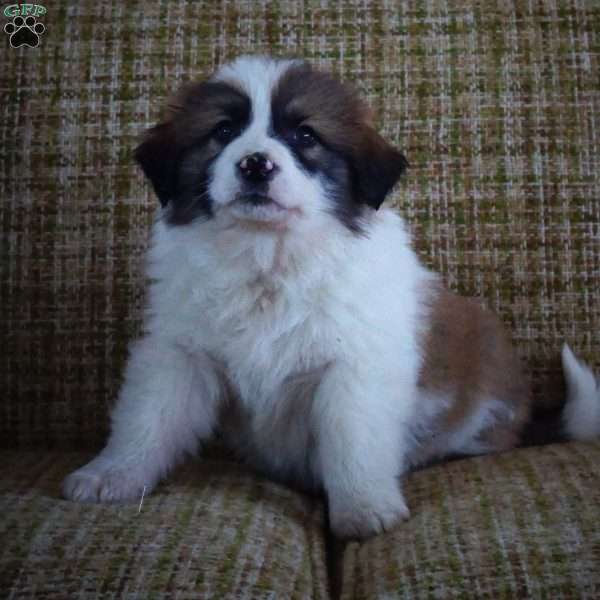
<point>276,316</point>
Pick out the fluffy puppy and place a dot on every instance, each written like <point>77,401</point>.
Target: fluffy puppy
<point>288,312</point>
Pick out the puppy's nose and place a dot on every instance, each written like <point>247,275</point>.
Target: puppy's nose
<point>256,167</point>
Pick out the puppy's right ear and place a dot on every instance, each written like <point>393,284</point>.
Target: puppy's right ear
<point>157,155</point>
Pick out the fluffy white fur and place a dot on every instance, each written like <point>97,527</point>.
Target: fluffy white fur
<point>307,331</point>
<point>582,411</point>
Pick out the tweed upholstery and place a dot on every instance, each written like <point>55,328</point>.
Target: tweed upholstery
<point>213,531</point>
<point>522,524</point>
<point>496,104</point>
<point>516,525</point>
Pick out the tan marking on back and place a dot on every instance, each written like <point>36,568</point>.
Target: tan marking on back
<point>468,358</point>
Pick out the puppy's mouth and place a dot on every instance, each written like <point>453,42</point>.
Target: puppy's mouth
<point>260,209</point>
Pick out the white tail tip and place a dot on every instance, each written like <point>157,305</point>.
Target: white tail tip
<point>582,410</point>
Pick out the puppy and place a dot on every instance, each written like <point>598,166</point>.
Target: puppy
<point>289,314</point>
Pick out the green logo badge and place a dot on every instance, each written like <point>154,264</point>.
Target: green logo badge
<point>24,29</point>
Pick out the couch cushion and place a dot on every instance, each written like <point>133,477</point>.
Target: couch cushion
<point>496,105</point>
<point>213,530</point>
<point>525,524</point>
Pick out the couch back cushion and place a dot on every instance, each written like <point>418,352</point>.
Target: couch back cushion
<point>496,104</point>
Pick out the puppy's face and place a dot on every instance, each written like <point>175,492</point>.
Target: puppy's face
<point>269,144</point>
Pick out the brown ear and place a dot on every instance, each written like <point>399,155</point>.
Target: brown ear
<point>377,167</point>
<point>157,155</point>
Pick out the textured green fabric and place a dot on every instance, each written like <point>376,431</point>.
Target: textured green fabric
<point>496,104</point>
<point>521,524</point>
<point>525,524</point>
<point>212,531</point>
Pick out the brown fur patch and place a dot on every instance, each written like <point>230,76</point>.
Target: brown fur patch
<point>343,123</point>
<point>192,115</point>
<point>198,107</point>
<point>468,357</point>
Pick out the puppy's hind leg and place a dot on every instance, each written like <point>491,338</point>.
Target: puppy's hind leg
<point>167,403</point>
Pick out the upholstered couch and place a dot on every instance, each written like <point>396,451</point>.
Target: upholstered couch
<point>497,106</point>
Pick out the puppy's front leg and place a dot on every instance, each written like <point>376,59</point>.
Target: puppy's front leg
<point>359,422</point>
<point>167,403</point>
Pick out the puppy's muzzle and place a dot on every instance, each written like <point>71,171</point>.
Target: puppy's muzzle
<point>256,168</point>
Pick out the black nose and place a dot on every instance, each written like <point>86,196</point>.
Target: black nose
<point>256,167</point>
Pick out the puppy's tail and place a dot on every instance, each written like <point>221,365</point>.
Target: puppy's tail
<point>581,414</point>
<point>577,417</point>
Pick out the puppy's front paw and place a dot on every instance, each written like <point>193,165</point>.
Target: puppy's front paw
<point>362,515</point>
<point>105,481</point>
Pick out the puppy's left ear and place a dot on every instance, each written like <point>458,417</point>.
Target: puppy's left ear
<point>157,155</point>
<point>377,168</point>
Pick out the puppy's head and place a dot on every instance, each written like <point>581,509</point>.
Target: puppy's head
<point>271,144</point>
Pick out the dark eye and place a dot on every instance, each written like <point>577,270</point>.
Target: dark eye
<point>225,131</point>
<point>304,137</point>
